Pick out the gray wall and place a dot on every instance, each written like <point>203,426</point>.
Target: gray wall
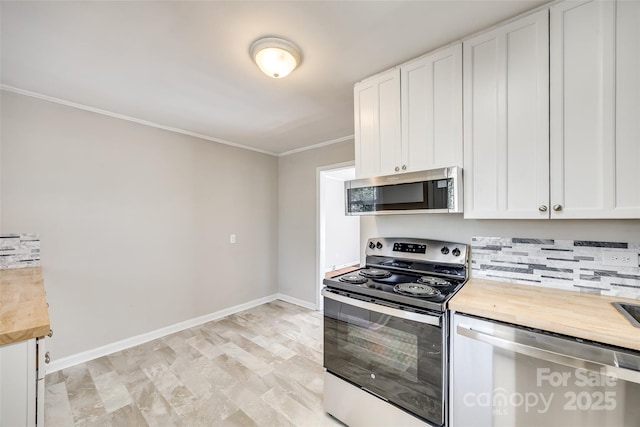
<point>134,221</point>
<point>297,242</point>
<point>454,228</point>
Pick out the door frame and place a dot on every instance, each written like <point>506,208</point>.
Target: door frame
<point>320,226</point>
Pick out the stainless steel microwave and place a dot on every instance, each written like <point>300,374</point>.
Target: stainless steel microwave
<point>430,191</point>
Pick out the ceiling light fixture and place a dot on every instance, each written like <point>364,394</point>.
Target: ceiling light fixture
<point>276,57</point>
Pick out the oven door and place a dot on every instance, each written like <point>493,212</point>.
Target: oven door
<point>395,354</point>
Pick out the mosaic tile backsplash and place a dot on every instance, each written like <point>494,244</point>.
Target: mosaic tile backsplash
<point>575,265</point>
<point>19,251</point>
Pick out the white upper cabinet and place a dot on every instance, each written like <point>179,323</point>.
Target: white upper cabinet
<point>627,149</point>
<point>410,118</point>
<point>432,110</point>
<point>377,124</point>
<point>506,120</point>
<point>595,109</point>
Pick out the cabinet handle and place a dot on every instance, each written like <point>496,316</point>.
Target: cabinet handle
<point>542,208</point>
<point>397,169</point>
<point>47,357</point>
<point>557,208</point>
<point>404,167</point>
<point>50,334</point>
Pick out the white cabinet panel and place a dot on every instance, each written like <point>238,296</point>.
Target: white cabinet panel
<point>377,124</point>
<point>627,167</point>
<point>389,154</point>
<point>506,120</point>
<point>365,119</point>
<point>595,109</point>
<point>432,110</point>
<point>18,379</point>
<point>582,96</point>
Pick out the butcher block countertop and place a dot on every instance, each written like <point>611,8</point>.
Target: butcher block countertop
<point>581,315</point>
<point>23,305</point>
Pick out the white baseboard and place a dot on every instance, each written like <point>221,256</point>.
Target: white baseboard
<point>296,301</point>
<point>85,356</point>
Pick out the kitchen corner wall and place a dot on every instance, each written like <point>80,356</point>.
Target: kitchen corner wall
<point>134,221</point>
<point>297,242</point>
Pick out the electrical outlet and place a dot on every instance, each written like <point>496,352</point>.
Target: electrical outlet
<point>232,239</point>
<point>619,258</point>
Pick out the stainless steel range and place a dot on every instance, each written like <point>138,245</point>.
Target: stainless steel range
<point>386,333</point>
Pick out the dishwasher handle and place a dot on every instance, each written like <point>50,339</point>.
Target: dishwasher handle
<point>550,356</point>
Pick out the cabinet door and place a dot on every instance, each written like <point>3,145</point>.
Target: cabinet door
<point>431,93</point>
<point>18,384</point>
<point>506,120</point>
<point>582,115</point>
<point>595,109</point>
<point>377,124</point>
<point>626,203</point>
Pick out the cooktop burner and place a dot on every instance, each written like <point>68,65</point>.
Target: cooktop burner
<point>416,290</point>
<point>353,278</point>
<point>434,281</point>
<point>375,273</point>
<point>413,272</point>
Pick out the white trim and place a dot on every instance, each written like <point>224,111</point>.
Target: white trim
<point>128,118</point>
<point>297,301</point>
<point>313,147</point>
<point>320,232</point>
<point>105,350</point>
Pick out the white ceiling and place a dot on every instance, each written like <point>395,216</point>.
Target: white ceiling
<point>185,64</point>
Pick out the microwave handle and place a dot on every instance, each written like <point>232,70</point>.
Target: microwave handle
<point>382,309</point>
<point>549,356</point>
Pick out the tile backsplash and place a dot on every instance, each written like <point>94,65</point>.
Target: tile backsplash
<point>19,251</point>
<point>575,265</point>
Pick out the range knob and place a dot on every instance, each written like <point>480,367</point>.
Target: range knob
<point>379,245</point>
<point>444,250</point>
<point>455,252</point>
<point>372,245</point>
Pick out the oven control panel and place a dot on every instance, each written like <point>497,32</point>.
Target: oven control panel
<point>418,249</point>
<point>410,248</point>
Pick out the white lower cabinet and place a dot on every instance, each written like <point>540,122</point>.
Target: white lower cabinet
<point>21,389</point>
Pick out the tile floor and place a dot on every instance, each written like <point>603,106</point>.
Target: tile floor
<point>260,367</point>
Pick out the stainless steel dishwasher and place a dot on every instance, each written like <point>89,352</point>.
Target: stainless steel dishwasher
<point>507,375</point>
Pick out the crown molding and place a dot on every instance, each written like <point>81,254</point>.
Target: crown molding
<point>160,126</point>
<point>128,118</point>
<point>321,144</point>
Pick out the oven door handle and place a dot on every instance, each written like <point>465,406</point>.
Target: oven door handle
<point>383,309</point>
<point>538,352</point>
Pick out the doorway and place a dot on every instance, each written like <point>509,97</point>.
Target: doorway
<point>338,234</point>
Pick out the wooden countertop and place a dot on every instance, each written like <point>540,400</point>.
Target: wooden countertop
<point>576,314</point>
<point>23,306</point>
